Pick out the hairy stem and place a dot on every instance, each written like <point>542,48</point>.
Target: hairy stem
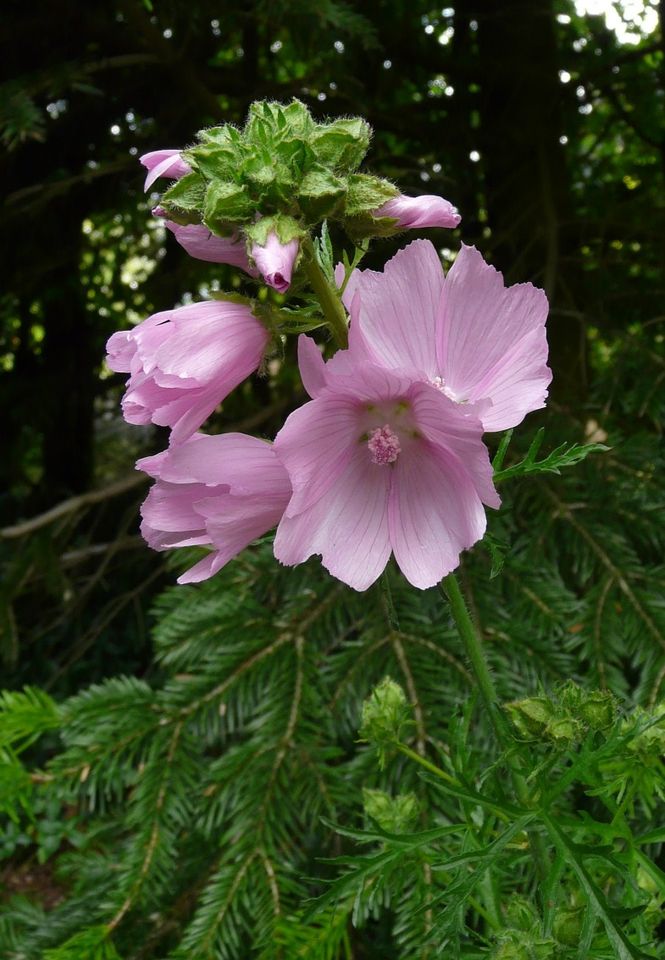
<point>330,303</point>
<point>474,648</point>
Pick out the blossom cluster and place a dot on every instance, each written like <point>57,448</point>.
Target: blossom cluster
<point>387,457</point>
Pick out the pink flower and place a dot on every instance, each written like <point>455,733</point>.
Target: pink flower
<point>467,333</point>
<point>221,491</point>
<point>415,212</point>
<point>184,362</point>
<point>276,260</point>
<point>163,163</point>
<point>380,461</point>
<point>201,244</point>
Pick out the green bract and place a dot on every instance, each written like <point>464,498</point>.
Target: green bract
<point>281,164</point>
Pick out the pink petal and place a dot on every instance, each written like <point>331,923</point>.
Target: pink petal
<point>399,308</point>
<point>315,445</point>
<point>312,366</point>
<point>163,163</point>
<point>348,528</point>
<point>433,514</point>
<point>201,244</point>
<point>417,212</point>
<point>450,428</point>
<point>234,522</point>
<point>493,342</point>
<point>246,464</point>
<point>276,260</point>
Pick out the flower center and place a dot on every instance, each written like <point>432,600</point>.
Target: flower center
<point>383,445</point>
<point>441,385</point>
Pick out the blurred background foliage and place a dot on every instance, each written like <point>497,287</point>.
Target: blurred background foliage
<point>542,120</point>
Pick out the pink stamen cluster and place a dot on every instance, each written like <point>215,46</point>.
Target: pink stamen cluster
<point>384,445</point>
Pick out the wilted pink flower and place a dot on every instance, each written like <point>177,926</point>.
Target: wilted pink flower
<point>184,362</point>
<point>380,461</point>
<point>163,163</point>
<point>221,491</point>
<point>415,212</point>
<point>467,334</point>
<point>275,261</point>
<point>200,243</point>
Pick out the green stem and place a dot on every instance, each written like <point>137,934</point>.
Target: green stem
<point>424,762</point>
<point>331,305</point>
<point>476,654</point>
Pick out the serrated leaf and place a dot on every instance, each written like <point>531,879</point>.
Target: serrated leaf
<point>596,900</point>
<point>565,455</point>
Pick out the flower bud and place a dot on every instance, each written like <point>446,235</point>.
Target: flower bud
<point>385,713</point>
<point>393,814</point>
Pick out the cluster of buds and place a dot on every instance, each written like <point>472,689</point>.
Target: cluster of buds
<point>566,717</point>
<point>251,197</point>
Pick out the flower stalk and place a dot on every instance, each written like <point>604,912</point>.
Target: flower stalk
<point>474,648</point>
<point>331,305</point>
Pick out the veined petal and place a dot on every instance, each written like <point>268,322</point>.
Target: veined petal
<point>398,309</point>
<point>201,244</point>
<point>452,429</point>
<point>434,514</point>
<point>417,212</point>
<point>315,445</point>
<point>244,464</point>
<point>348,527</point>
<point>312,366</point>
<point>163,163</point>
<point>493,342</point>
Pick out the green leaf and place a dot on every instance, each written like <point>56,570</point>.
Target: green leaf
<point>186,194</point>
<point>227,202</point>
<point>216,161</point>
<point>90,944</point>
<point>343,144</point>
<point>320,194</point>
<point>596,900</point>
<point>565,455</point>
<point>366,194</point>
<point>325,254</point>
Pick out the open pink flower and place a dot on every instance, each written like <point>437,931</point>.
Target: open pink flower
<point>184,362</point>
<point>412,213</point>
<point>466,333</point>
<point>163,163</point>
<point>380,461</point>
<point>221,491</point>
<point>275,261</point>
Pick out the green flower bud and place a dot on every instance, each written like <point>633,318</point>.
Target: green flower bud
<point>567,926</point>
<point>522,914</point>
<point>598,709</point>
<point>531,716</point>
<point>393,814</point>
<point>385,713</point>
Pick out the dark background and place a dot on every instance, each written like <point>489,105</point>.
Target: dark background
<point>542,126</point>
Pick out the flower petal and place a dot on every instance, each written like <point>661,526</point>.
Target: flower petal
<point>201,244</point>
<point>493,342</point>
<point>399,309</point>
<point>416,212</point>
<point>456,431</point>
<point>434,513</point>
<point>348,527</point>
<point>315,445</point>
<point>312,366</point>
